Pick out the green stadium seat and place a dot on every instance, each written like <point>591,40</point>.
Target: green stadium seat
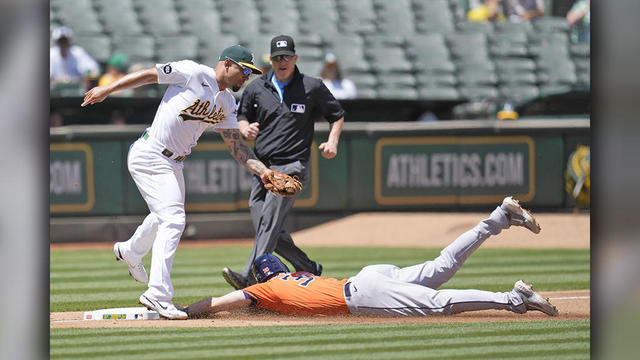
<point>438,93</point>
<point>397,17</point>
<point>475,27</point>
<point>98,46</point>
<point>396,80</point>
<point>206,31</point>
<point>388,59</point>
<point>367,93</point>
<point>212,48</point>
<point>362,80</point>
<point>66,89</point>
<point>517,77</point>
<point>434,16</point>
<point>510,27</point>
<point>478,92</point>
<point>356,16</point>
<point>122,23</point>
<point>258,44</point>
<point>552,89</point>
<point>468,45</point>
<point>404,93</point>
<point>318,17</point>
<point>514,65</point>
<point>349,50</point>
<point>580,50</point>
<point>136,47</point>
<point>519,93</point>
<point>550,24</point>
<point>310,67</point>
<point>436,80</point>
<point>176,47</point>
<point>473,77</point>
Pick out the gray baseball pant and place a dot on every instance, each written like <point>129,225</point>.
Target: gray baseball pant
<point>269,212</point>
<point>412,290</point>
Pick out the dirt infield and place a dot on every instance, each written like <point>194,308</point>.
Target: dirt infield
<point>387,229</point>
<point>571,304</point>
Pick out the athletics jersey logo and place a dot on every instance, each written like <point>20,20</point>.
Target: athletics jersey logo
<point>199,111</point>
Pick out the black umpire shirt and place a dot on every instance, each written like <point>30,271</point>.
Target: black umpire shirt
<point>286,128</point>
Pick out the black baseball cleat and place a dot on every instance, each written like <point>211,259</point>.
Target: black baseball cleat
<point>317,269</point>
<point>234,279</point>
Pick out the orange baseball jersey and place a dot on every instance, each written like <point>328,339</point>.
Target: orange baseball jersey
<point>300,293</point>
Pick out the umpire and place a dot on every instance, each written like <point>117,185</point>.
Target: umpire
<point>279,111</point>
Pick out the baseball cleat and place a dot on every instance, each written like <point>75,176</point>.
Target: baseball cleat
<point>136,270</point>
<point>532,300</point>
<point>234,279</point>
<point>317,269</point>
<point>519,216</point>
<point>165,309</point>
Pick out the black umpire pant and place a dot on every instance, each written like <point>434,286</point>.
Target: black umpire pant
<point>269,212</point>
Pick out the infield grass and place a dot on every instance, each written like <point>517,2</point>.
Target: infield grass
<point>83,280</point>
<point>508,340</point>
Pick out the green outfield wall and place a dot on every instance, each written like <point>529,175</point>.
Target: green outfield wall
<point>448,165</point>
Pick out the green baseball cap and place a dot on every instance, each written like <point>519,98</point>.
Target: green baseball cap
<point>241,55</point>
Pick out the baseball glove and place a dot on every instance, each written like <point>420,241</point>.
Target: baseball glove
<point>282,184</point>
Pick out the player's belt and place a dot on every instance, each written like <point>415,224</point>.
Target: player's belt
<point>347,289</point>
<point>166,152</point>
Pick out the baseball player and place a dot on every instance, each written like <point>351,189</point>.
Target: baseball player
<point>387,289</point>
<point>279,111</point>
<point>198,98</point>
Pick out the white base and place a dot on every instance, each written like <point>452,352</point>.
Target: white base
<point>130,313</point>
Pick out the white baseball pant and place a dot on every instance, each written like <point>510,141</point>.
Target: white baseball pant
<point>160,181</point>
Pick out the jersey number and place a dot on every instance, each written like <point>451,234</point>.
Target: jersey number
<point>307,279</point>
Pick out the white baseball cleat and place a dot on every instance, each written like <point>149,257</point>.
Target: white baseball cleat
<point>165,309</point>
<point>532,300</point>
<point>136,270</point>
<point>519,216</point>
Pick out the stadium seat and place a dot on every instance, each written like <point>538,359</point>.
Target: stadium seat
<point>349,50</point>
<point>136,47</point>
<point>580,50</point>
<point>468,45</point>
<point>258,44</point>
<point>318,17</point>
<point>206,31</point>
<point>395,17</point>
<point>510,27</point>
<point>403,93</point>
<point>121,21</point>
<point>438,93</point>
<point>475,27</point>
<point>396,79</point>
<point>212,47</point>
<point>434,16</point>
<point>66,89</point>
<point>362,80</point>
<point>98,46</point>
<point>367,93</point>
<point>546,90</point>
<point>436,79</point>
<point>519,93</point>
<point>473,77</point>
<point>478,92</point>
<point>389,59</point>
<point>517,77</point>
<point>514,65</point>
<point>176,47</point>
<point>310,67</point>
<point>356,16</point>
<point>550,24</point>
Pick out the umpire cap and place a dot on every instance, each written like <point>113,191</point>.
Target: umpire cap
<point>266,266</point>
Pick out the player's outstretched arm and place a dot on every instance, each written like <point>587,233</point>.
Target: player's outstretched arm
<point>243,154</point>
<point>129,81</point>
<point>231,301</point>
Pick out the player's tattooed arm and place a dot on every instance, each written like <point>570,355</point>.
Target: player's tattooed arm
<point>242,152</point>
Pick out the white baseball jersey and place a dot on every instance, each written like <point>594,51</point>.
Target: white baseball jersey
<point>190,105</point>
